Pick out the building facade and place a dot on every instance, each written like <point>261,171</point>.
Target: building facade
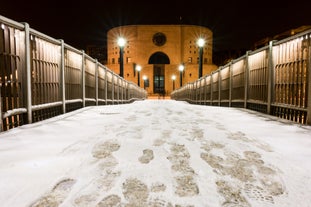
<point>159,50</point>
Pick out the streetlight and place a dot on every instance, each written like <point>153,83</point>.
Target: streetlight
<point>181,69</point>
<point>200,43</point>
<point>138,68</point>
<point>173,78</point>
<point>121,43</point>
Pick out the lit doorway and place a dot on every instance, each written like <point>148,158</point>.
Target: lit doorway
<point>159,59</point>
<point>158,79</point>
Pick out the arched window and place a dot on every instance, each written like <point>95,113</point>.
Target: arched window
<point>159,58</point>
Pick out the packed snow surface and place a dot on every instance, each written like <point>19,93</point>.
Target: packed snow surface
<point>157,153</point>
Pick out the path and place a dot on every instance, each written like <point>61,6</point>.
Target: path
<point>156,153</point>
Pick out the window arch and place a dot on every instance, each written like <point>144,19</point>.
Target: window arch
<point>159,58</point>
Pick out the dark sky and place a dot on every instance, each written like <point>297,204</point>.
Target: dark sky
<point>235,24</point>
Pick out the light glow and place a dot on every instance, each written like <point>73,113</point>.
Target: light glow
<point>201,42</point>
<point>181,68</point>
<point>121,42</point>
<point>138,68</point>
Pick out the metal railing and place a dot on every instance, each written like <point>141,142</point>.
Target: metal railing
<point>275,79</point>
<point>42,77</point>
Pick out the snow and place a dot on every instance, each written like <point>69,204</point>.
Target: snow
<point>157,153</point>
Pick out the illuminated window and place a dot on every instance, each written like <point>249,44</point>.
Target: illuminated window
<point>189,59</point>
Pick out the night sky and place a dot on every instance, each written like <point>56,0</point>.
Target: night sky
<point>235,24</point>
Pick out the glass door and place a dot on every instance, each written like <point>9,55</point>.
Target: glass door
<point>158,79</point>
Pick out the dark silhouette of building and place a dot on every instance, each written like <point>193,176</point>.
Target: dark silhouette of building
<point>265,41</point>
<point>97,52</point>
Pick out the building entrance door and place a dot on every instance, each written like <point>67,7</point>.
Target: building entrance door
<point>159,78</point>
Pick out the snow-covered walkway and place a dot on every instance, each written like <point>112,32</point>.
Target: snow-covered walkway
<point>156,153</point>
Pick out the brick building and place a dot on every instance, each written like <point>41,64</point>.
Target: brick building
<point>159,50</point>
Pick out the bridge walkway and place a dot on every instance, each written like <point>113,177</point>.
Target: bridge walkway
<point>156,153</point>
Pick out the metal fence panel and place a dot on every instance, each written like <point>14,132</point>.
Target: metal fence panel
<point>73,74</point>
<point>258,77</point>
<point>115,87</point>
<point>90,67</point>
<point>208,89</point>
<point>45,71</point>
<point>225,84</point>
<point>290,80</point>
<point>109,86</point>
<point>101,83</point>
<point>215,88</point>
<point>238,81</point>
<point>11,76</point>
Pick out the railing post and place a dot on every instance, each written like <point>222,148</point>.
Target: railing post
<point>199,91</point>
<point>211,79</point>
<point>122,90</point>
<point>129,95</point>
<point>96,82</point>
<point>189,92</point>
<point>28,72</point>
<point>119,87</point>
<point>126,91</point>
<point>219,85</point>
<point>246,76</point>
<point>112,89</point>
<point>106,85</point>
<point>83,79</point>
<point>196,91</point>
<point>230,83</point>
<point>204,91</point>
<point>1,122</point>
<point>308,121</point>
<point>270,77</point>
<point>62,69</point>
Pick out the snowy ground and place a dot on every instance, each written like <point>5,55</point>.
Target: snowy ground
<point>157,153</point>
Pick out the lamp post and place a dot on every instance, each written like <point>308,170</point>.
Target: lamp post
<point>173,78</point>
<point>138,69</point>
<point>200,43</point>
<point>181,69</point>
<point>121,43</point>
